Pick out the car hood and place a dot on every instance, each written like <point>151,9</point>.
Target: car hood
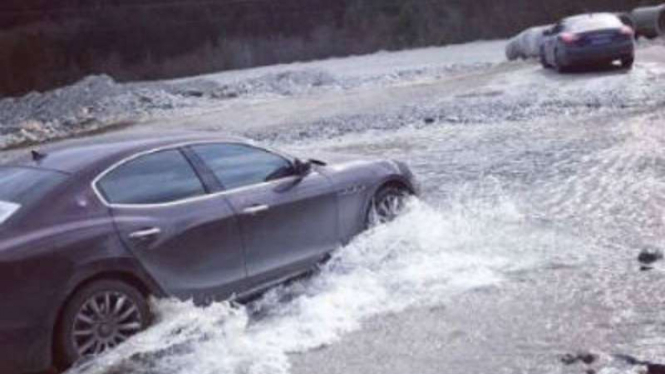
<point>332,158</point>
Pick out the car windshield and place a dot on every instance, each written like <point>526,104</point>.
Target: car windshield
<point>21,186</point>
<point>596,22</point>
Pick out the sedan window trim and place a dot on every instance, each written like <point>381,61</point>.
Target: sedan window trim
<point>180,147</point>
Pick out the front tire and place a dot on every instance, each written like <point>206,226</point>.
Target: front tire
<point>386,205</point>
<point>99,317</point>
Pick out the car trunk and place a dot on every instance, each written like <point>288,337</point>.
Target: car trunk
<point>601,37</point>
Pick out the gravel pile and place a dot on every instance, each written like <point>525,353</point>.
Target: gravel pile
<point>92,104</point>
<point>521,100</point>
<point>99,102</point>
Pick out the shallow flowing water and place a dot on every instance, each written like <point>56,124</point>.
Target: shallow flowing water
<point>539,192</point>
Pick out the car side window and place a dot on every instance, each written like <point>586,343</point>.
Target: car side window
<point>156,178</point>
<point>239,165</point>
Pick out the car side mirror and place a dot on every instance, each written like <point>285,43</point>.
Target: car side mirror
<point>302,168</point>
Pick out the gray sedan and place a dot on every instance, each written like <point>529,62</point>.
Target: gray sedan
<point>88,232</point>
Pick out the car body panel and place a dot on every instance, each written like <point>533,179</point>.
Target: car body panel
<point>197,254</point>
<point>49,264</point>
<point>602,51</point>
<point>295,223</point>
<point>356,183</point>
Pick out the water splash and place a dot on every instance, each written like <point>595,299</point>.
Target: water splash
<point>421,259</point>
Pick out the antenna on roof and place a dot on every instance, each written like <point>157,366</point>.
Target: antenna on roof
<point>37,156</point>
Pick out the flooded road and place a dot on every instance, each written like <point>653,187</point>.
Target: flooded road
<point>539,192</point>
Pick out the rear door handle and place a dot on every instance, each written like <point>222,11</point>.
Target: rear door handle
<point>255,209</point>
<point>145,233</point>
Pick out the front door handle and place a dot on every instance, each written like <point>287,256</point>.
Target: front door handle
<point>145,233</point>
<point>255,209</point>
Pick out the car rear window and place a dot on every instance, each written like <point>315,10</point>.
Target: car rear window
<point>156,178</point>
<point>595,23</point>
<point>22,186</point>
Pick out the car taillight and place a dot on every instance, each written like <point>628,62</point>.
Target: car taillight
<point>627,30</point>
<point>567,37</point>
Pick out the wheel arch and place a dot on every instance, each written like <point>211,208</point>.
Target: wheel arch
<point>127,274</point>
<point>398,182</point>
<point>390,181</point>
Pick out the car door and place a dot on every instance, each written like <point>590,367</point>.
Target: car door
<point>288,222</point>
<point>187,239</point>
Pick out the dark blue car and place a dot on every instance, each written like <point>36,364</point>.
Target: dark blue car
<point>588,40</point>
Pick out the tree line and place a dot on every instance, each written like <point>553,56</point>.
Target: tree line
<point>46,44</point>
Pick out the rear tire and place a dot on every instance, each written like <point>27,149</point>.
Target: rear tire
<point>558,65</point>
<point>386,205</point>
<point>628,62</point>
<point>99,317</point>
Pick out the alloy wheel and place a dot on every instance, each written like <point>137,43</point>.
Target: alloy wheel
<point>386,206</point>
<point>105,320</point>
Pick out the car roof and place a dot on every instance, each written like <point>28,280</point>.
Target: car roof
<point>76,155</point>
<point>589,17</point>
